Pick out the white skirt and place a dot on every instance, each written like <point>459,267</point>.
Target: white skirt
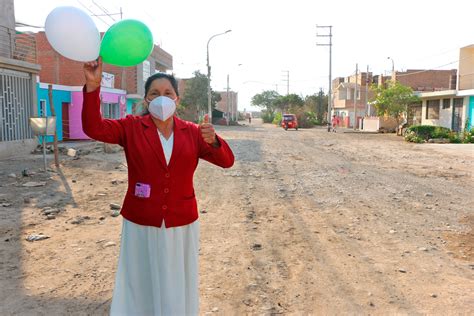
<point>157,271</point>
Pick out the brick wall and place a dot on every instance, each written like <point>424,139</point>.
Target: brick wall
<point>60,70</point>
<point>222,104</point>
<point>426,80</point>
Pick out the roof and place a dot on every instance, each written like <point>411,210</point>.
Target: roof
<point>345,85</point>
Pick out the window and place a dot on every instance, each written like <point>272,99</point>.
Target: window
<point>42,109</point>
<point>351,93</point>
<point>414,113</point>
<point>457,102</point>
<point>111,110</point>
<point>446,104</point>
<point>342,94</point>
<point>432,109</point>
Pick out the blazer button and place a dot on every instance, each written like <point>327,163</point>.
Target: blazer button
<point>167,175</point>
<point>166,190</point>
<point>164,207</point>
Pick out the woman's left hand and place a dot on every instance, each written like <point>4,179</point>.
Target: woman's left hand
<point>207,131</point>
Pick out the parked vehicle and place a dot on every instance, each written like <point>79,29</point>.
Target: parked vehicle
<point>289,121</point>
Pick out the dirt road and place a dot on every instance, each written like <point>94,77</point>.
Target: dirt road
<point>306,222</point>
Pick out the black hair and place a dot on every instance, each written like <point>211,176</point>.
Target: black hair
<point>160,75</point>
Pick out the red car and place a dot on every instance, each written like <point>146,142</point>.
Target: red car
<point>289,121</point>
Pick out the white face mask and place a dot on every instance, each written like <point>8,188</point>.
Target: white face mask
<point>162,107</point>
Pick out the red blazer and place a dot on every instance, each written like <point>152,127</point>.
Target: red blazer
<point>171,186</point>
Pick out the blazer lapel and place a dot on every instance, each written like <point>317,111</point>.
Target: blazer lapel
<point>151,135</point>
<point>179,138</point>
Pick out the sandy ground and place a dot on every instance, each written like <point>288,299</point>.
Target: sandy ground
<point>306,222</point>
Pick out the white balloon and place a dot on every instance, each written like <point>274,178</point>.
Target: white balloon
<point>73,34</point>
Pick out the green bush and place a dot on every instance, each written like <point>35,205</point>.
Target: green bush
<point>423,131</point>
<point>440,132</point>
<point>454,138</point>
<point>428,131</point>
<point>277,119</point>
<point>413,137</point>
<point>267,117</point>
<point>467,136</point>
<point>306,119</point>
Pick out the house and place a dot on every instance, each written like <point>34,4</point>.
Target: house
<point>18,76</point>
<point>228,104</point>
<point>68,101</point>
<point>452,108</point>
<point>419,80</point>
<point>351,95</point>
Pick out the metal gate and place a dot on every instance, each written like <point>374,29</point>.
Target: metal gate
<point>457,114</point>
<point>16,105</point>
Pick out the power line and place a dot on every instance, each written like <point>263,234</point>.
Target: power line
<point>103,10</point>
<point>421,71</point>
<point>92,12</point>
<point>20,24</point>
<point>427,70</point>
<point>106,12</point>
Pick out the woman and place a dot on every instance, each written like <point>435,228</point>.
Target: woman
<point>158,265</point>
<point>335,123</point>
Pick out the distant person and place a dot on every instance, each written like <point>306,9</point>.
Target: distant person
<point>250,119</point>
<point>335,123</point>
<point>157,270</point>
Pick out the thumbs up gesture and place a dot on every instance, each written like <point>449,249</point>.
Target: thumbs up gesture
<point>207,131</point>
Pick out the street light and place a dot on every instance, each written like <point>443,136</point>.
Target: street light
<point>393,69</point>
<point>209,109</point>
<point>230,101</point>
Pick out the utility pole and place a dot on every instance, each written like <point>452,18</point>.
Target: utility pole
<point>53,113</point>
<point>355,97</point>
<point>227,99</point>
<point>209,108</point>
<point>367,92</point>
<point>330,69</point>
<point>393,70</point>
<point>287,81</point>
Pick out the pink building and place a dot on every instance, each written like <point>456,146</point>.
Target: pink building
<point>113,105</point>
<point>68,105</point>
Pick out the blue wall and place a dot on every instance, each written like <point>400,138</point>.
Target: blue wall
<point>59,96</point>
<point>470,112</point>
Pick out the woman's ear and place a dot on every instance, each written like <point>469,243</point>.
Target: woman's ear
<point>177,100</point>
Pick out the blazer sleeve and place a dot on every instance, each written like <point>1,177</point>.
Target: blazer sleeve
<point>96,127</point>
<point>220,155</point>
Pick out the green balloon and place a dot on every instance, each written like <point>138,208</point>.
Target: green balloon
<point>126,43</point>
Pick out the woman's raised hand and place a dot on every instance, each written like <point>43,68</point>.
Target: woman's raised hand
<point>93,74</point>
<point>207,131</point>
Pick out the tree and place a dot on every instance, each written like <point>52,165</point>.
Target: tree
<point>290,102</point>
<point>393,100</point>
<point>266,100</point>
<point>318,104</point>
<point>195,93</point>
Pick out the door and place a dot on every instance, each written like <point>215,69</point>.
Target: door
<point>457,114</point>
<point>65,120</point>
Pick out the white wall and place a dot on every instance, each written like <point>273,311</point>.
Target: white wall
<point>445,117</point>
<point>17,148</point>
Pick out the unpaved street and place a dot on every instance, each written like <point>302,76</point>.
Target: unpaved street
<point>306,222</point>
